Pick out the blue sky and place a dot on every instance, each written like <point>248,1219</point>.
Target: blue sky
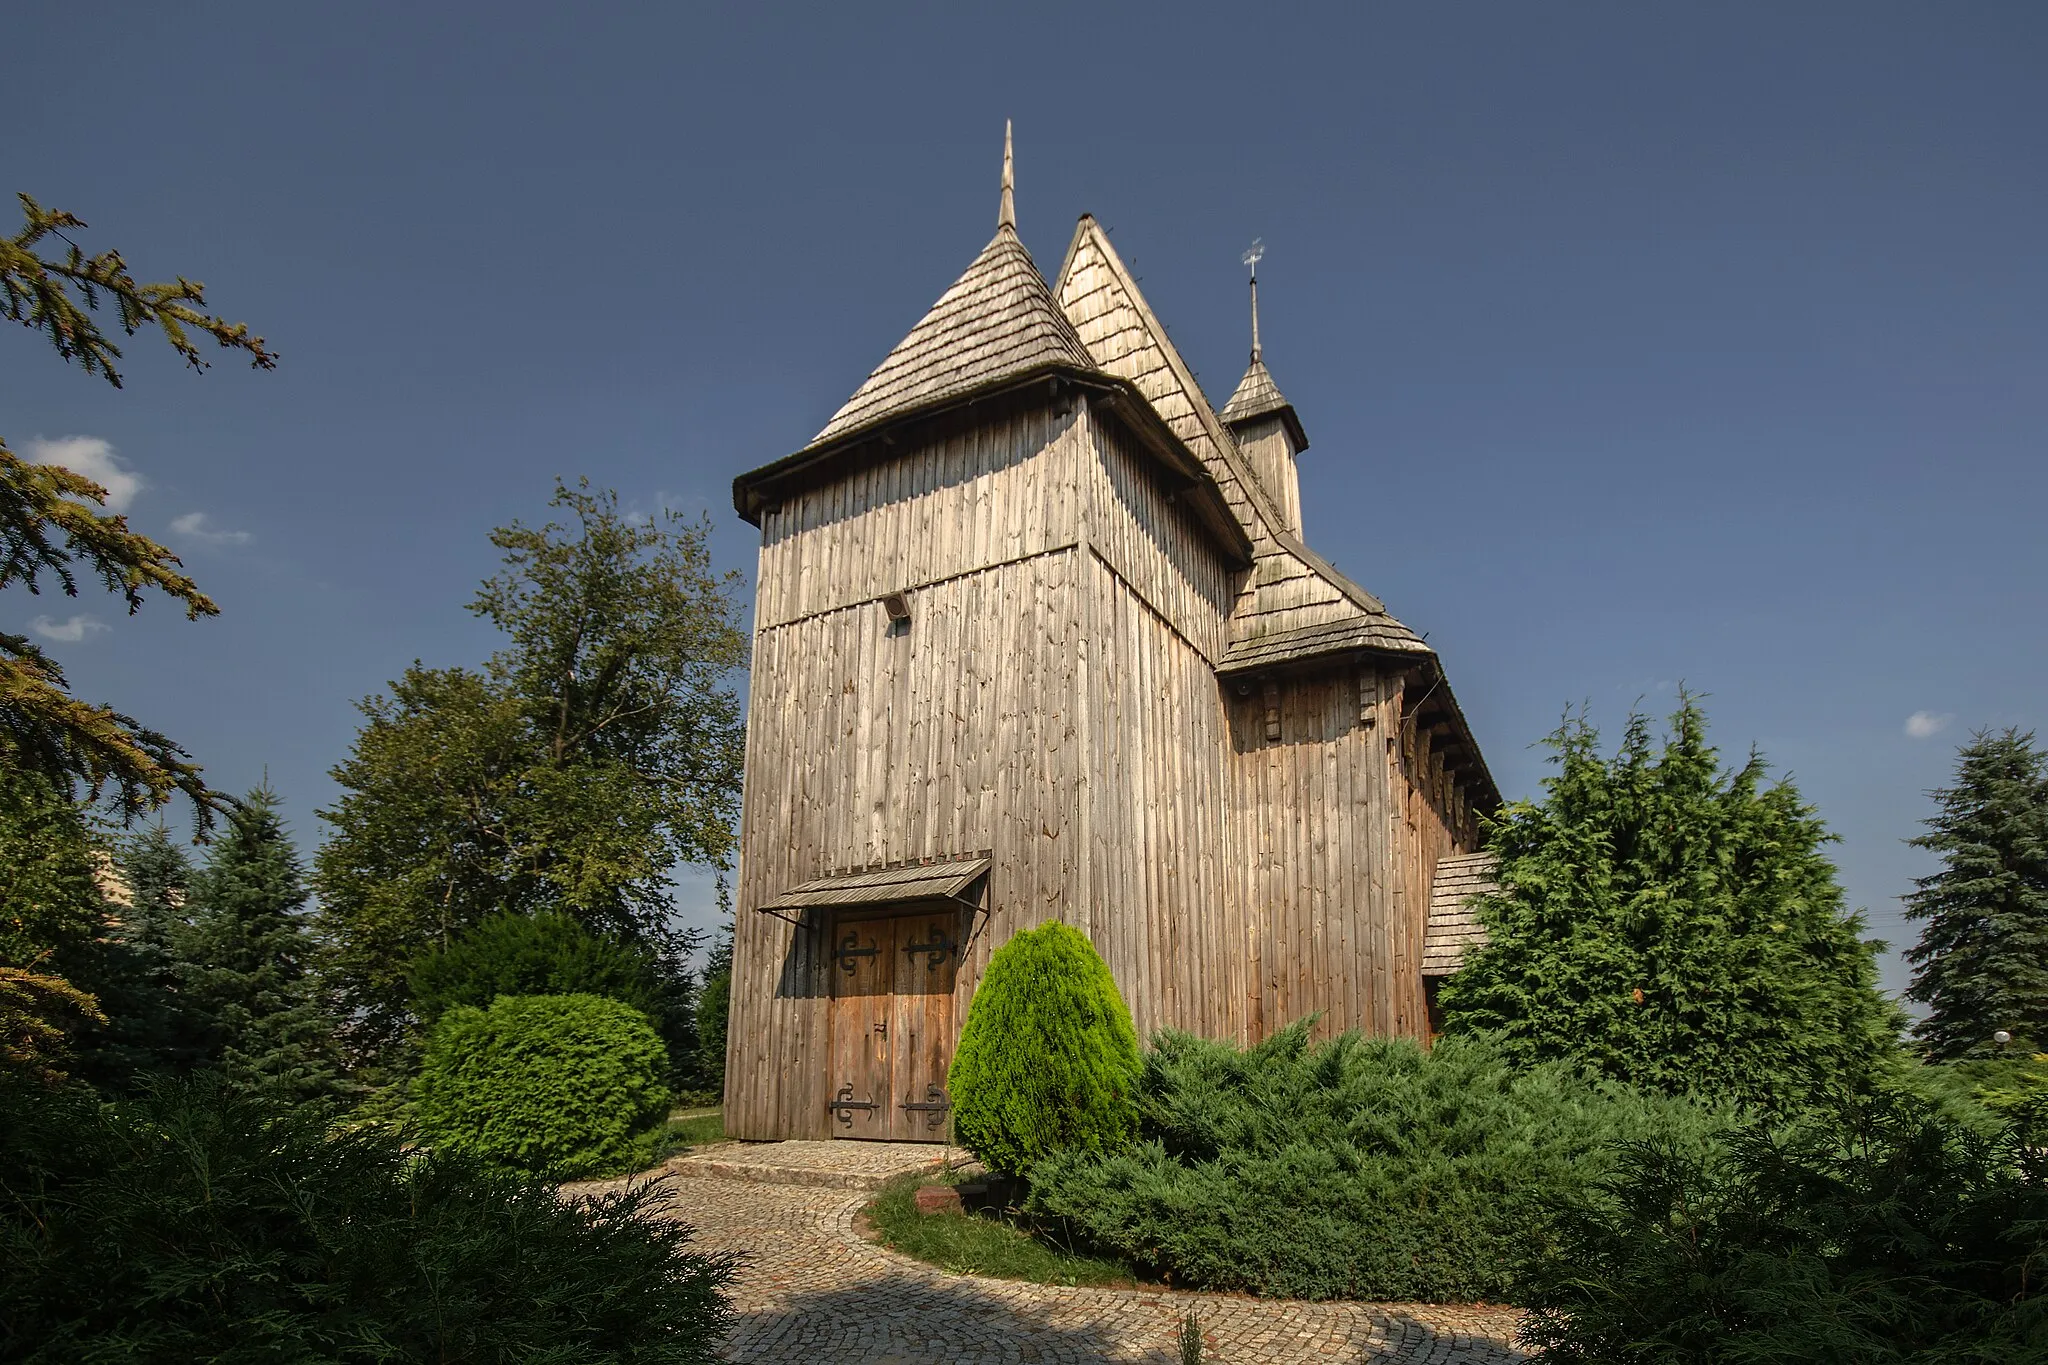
<point>1636,344</point>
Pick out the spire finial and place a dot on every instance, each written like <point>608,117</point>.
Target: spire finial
<point>1252,259</point>
<point>1008,217</point>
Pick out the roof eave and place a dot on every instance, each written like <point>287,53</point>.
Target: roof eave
<point>1480,781</point>
<point>748,497</point>
<point>752,492</point>
<point>1283,410</point>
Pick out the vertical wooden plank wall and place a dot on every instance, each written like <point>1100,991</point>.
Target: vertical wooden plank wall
<point>1054,702</point>
<point>1312,844</point>
<point>867,746</point>
<point>1158,593</point>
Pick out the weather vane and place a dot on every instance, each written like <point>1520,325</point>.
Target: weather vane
<point>1256,254</point>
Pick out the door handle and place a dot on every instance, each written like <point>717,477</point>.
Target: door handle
<point>882,1029</point>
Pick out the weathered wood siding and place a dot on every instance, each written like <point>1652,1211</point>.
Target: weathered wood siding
<point>867,745</point>
<point>1115,323</point>
<point>985,495</point>
<point>1158,593</point>
<point>1314,841</point>
<point>1242,853</point>
<point>1268,449</point>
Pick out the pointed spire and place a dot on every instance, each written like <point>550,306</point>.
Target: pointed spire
<point>1257,395</point>
<point>1008,217</point>
<point>1255,315</point>
<point>1252,259</point>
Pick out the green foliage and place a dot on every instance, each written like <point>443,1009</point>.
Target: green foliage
<point>1674,926</point>
<point>49,896</point>
<point>597,751</point>
<point>1354,1169</point>
<point>1003,1247</point>
<point>50,912</point>
<point>548,1084</point>
<point>1048,1059</point>
<point>1883,1233</point>
<point>714,1007</point>
<point>551,954</point>
<point>1981,964</point>
<point>50,522</point>
<point>152,1025</point>
<point>201,1224</point>
<point>544,954</point>
<point>246,961</point>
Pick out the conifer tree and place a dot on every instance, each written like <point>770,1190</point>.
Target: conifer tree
<point>54,529</point>
<point>1981,964</point>
<point>714,1009</point>
<point>248,958</point>
<point>1673,925</point>
<point>151,1027</point>
<point>50,912</point>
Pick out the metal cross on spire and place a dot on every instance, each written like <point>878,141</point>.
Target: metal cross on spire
<point>1252,259</point>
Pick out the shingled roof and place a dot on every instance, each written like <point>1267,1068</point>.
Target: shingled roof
<point>1257,396</point>
<point>997,322</point>
<point>1453,923</point>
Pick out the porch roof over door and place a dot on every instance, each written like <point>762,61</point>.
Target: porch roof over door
<point>937,881</point>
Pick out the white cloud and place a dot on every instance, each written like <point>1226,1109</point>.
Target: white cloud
<point>193,524</point>
<point>67,632</point>
<point>1926,725</point>
<point>94,458</point>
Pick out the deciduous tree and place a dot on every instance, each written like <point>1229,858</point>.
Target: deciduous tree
<point>593,754</point>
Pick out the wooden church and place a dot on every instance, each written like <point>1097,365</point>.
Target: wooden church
<point>1037,637</point>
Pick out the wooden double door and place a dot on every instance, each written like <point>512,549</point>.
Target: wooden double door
<point>892,1024</point>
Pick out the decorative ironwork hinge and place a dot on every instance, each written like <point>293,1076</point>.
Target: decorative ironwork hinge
<point>934,1112</point>
<point>940,948</point>
<point>844,1104</point>
<point>847,952</point>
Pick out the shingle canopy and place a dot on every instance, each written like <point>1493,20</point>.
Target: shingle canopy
<point>998,321</point>
<point>1453,923</point>
<point>943,880</point>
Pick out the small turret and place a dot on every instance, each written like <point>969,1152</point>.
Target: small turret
<point>1264,423</point>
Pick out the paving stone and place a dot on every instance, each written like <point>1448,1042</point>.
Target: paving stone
<point>811,1291</point>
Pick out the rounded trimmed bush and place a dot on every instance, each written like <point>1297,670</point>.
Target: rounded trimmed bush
<point>560,1085</point>
<point>1048,1060</point>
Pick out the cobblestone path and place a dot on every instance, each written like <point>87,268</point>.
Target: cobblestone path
<point>812,1291</point>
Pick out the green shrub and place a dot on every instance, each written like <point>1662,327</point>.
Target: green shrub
<point>1675,925</point>
<point>1354,1169</point>
<point>1887,1232</point>
<point>195,1224</point>
<point>544,954</point>
<point>1048,1059</point>
<point>549,1084</point>
<point>553,954</point>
